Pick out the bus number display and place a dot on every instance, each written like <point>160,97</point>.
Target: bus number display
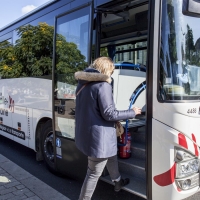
<point>192,110</point>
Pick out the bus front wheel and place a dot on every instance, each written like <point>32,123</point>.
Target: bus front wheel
<point>48,146</point>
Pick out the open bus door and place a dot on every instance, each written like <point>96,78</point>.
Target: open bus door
<point>72,40</point>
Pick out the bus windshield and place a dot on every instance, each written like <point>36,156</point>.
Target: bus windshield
<point>179,71</point>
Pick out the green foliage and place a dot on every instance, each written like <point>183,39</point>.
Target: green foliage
<point>189,43</point>
<point>172,36</point>
<point>32,53</point>
<point>192,53</point>
<point>8,65</point>
<point>196,56</point>
<point>104,52</point>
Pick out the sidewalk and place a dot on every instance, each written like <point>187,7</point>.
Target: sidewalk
<point>17,184</point>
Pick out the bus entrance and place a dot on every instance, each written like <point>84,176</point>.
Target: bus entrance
<point>122,36</point>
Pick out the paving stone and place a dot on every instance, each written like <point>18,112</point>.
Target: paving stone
<point>2,188</point>
<point>20,192</point>
<point>12,179</point>
<point>4,173</point>
<point>42,190</point>
<point>9,177</point>
<point>18,197</point>
<point>29,194</point>
<point>11,184</point>
<point>34,198</point>
<point>6,196</point>
<point>9,190</point>
<point>19,187</point>
<point>15,171</point>
<point>18,184</point>
<point>23,197</point>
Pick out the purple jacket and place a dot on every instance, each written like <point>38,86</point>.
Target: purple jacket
<point>95,133</point>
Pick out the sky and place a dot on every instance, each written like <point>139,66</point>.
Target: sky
<point>10,10</point>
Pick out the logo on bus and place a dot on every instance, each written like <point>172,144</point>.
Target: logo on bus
<point>58,142</point>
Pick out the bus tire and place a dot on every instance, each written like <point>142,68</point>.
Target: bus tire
<point>47,146</point>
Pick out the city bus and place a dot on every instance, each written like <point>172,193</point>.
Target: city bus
<point>155,46</point>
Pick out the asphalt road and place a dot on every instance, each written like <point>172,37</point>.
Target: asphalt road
<point>25,158</point>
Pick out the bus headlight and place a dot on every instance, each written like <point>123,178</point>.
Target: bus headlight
<point>187,168</point>
<point>185,184</point>
<point>189,182</point>
<point>186,163</point>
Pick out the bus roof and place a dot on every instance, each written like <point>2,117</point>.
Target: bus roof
<point>28,14</point>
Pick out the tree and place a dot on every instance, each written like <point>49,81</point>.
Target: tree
<point>197,53</point>
<point>172,35</point>
<point>104,52</point>
<point>9,67</point>
<point>189,43</point>
<point>33,52</point>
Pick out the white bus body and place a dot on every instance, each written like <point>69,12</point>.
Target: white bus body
<point>155,46</point>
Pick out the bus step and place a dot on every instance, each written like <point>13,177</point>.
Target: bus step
<point>136,186</point>
<point>133,167</point>
<point>139,136</point>
<point>138,150</point>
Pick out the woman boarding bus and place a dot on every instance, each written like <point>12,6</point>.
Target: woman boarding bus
<point>155,46</point>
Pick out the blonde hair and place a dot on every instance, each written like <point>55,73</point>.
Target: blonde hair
<point>104,65</point>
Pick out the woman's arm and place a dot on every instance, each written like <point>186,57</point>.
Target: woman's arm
<point>107,106</point>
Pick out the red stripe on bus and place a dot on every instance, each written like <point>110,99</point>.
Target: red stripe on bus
<point>178,189</point>
<point>195,146</point>
<point>182,140</point>
<point>167,178</point>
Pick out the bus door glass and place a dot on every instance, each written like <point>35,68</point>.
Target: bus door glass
<point>71,55</point>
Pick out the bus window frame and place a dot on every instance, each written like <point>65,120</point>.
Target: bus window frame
<point>158,69</point>
<point>7,36</point>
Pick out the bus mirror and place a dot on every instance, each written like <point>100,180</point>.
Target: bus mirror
<point>191,8</point>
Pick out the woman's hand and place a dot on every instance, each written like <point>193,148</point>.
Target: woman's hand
<point>137,110</point>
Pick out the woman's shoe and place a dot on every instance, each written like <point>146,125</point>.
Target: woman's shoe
<point>121,183</point>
